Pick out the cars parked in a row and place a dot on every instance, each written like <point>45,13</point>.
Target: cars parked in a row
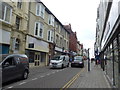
<point>13,66</point>
<point>61,61</point>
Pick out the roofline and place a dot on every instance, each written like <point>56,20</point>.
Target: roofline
<point>52,14</point>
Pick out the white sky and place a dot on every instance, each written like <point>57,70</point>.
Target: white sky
<point>81,14</point>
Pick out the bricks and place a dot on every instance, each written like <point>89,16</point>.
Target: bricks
<point>93,79</point>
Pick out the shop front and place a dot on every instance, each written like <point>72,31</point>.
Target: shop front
<point>37,51</point>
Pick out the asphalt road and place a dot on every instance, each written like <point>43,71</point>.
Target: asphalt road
<point>44,77</point>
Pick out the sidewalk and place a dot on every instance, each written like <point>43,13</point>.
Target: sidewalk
<point>94,78</point>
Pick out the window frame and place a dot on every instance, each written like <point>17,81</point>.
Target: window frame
<point>51,36</point>
<point>18,27</point>
<point>51,20</point>
<point>19,4</point>
<point>39,28</point>
<point>40,11</point>
<point>5,10</point>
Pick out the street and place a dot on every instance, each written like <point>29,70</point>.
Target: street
<point>44,77</point>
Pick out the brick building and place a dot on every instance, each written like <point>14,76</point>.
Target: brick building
<point>72,39</point>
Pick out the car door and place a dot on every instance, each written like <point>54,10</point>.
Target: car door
<point>9,69</point>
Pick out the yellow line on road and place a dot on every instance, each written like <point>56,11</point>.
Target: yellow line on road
<point>67,85</point>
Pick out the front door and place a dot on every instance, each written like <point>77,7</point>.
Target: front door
<point>37,58</point>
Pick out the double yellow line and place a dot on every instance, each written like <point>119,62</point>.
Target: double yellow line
<point>67,85</point>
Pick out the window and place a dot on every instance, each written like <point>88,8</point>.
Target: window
<point>39,29</point>
<point>40,9</point>
<point>10,61</point>
<point>51,20</point>
<point>19,3</point>
<point>57,39</point>
<point>6,12</point>
<point>17,44</point>
<point>17,22</point>
<point>61,42</point>
<point>50,35</point>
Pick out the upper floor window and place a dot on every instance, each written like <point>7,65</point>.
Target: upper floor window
<point>6,12</point>
<point>17,22</point>
<point>57,39</point>
<point>51,20</point>
<point>39,27</point>
<point>40,10</point>
<point>50,35</point>
<point>19,3</point>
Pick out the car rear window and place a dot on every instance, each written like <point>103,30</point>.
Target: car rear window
<point>78,58</point>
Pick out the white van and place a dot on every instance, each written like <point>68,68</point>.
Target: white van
<point>59,61</point>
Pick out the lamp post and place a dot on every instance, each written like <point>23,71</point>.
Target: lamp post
<point>88,60</point>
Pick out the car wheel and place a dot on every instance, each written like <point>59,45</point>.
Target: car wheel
<point>68,65</point>
<point>83,66</point>
<point>71,65</point>
<point>25,75</point>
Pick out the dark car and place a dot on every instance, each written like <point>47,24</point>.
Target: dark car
<point>78,61</point>
<point>14,66</point>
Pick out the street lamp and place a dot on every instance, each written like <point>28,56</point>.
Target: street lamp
<point>88,60</point>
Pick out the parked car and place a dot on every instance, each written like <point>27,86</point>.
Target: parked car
<point>78,61</point>
<point>14,66</point>
<point>59,61</point>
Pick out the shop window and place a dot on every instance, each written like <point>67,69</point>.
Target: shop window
<point>115,48</point>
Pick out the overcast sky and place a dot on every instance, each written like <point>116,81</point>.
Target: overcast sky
<point>81,14</point>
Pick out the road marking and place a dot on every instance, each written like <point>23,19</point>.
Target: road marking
<point>48,74</point>
<point>9,87</point>
<point>22,83</point>
<point>53,72</point>
<point>42,76</point>
<point>34,78</point>
<point>67,85</point>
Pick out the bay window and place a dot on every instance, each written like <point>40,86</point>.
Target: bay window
<point>40,10</point>
<point>6,12</point>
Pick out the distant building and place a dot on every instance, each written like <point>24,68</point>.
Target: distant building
<point>79,48</point>
<point>72,40</point>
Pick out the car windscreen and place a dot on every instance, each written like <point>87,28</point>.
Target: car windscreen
<point>78,58</point>
<point>57,58</point>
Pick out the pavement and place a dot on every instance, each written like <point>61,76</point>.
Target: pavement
<point>95,78</point>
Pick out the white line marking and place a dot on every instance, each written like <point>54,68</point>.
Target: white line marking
<point>42,76</point>
<point>48,74</point>
<point>34,78</point>
<point>53,72</point>
<point>22,83</point>
<point>10,87</point>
